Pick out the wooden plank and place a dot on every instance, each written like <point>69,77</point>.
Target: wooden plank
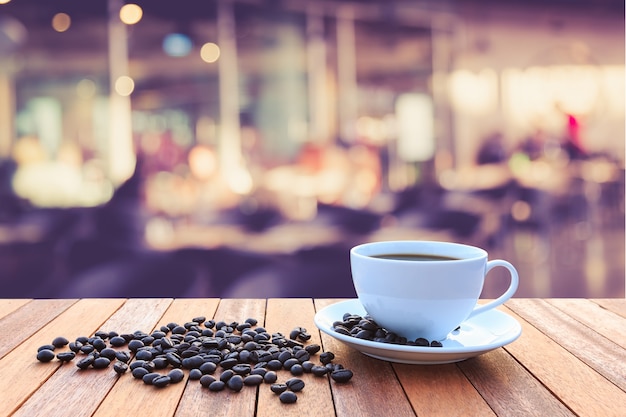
<point>22,374</point>
<point>616,305</point>
<point>197,400</point>
<point>509,389</point>
<point>74,392</point>
<point>373,391</point>
<point>9,305</point>
<point>117,402</point>
<point>571,380</point>
<point>26,320</point>
<point>283,315</point>
<point>600,353</point>
<point>608,324</point>
<point>441,390</point>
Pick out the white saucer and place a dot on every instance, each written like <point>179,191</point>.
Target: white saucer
<point>480,334</point>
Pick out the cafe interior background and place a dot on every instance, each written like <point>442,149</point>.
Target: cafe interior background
<point>239,148</point>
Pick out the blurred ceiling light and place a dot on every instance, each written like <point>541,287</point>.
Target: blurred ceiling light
<point>177,44</point>
<point>61,22</point>
<point>202,162</point>
<point>210,52</point>
<point>131,13</point>
<point>474,93</point>
<point>4,1</point>
<point>86,88</point>
<point>124,85</point>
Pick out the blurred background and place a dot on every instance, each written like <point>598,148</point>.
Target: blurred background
<point>239,148</point>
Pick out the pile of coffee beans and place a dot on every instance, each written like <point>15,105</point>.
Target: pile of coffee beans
<point>245,355</point>
<point>364,327</point>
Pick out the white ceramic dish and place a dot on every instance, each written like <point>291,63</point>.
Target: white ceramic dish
<point>480,334</point>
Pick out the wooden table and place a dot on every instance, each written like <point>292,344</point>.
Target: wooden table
<point>569,360</point>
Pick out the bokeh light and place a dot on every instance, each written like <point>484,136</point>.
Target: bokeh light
<point>61,22</point>
<point>131,14</point>
<point>124,85</point>
<point>210,52</point>
<point>177,44</point>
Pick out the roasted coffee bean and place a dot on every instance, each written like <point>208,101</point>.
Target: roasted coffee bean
<point>307,366</point>
<point>161,381</point>
<point>206,380</point>
<point>296,369</point>
<point>208,367</point>
<point>99,344</point>
<point>135,345</point>
<point>120,367</point>
<point>278,388</point>
<point>149,377</point>
<point>86,362</point>
<point>226,375</point>
<point>313,349</point>
<point>319,370</point>
<point>87,349</point>
<point>160,362</point>
<point>193,362</point>
<point>327,357</point>
<point>101,362</point>
<point>75,346</point>
<point>217,386</point>
<point>176,375</point>
<point>253,380</point>
<point>270,377</point>
<point>235,383</point>
<point>45,355</point>
<point>174,359</point>
<point>289,363</point>
<point>228,363</point>
<point>242,369</point>
<point>295,384</point>
<point>195,374</point>
<point>436,343</point>
<point>60,341</point>
<point>66,356</point>
<point>139,372</point>
<point>341,375</point>
<point>47,347</point>
<point>288,397</point>
<point>420,341</point>
<point>108,353</point>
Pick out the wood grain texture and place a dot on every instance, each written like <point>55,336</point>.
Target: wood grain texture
<point>616,305</point>
<point>441,390</point>
<point>373,391</point>
<point>608,324</point>
<point>8,305</point>
<point>71,391</point>
<point>283,315</point>
<point>22,374</point>
<point>196,400</point>
<point>565,375</point>
<point>116,402</point>
<point>603,355</point>
<point>509,389</point>
<point>18,325</point>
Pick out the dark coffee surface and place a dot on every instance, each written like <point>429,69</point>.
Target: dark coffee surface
<point>414,257</point>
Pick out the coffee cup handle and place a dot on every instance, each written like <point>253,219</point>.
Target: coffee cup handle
<point>481,308</point>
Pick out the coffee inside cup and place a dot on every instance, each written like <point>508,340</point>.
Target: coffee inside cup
<point>414,257</point>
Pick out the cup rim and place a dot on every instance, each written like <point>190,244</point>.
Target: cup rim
<point>473,252</point>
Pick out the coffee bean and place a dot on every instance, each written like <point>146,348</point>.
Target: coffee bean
<point>288,397</point>
<point>207,380</point>
<point>176,375</point>
<point>235,383</point>
<point>436,343</point>
<point>295,384</point>
<point>327,357</point>
<point>66,356</point>
<point>47,347</point>
<point>101,362</point>
<point>45,355</point>
<point>60,341</point>
<point>341,375</point>
<point>139,372</point>
<point>120,367</point>
<point>270,377</point>
<point>319,370</point>
<point>161,381</point>
<point>251,380</point>
<point>278,388</point>
<point>149,377</point>
<point>217,386</point>
<point>195,374</point>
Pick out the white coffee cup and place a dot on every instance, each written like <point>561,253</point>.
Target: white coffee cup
<point>424,298</point>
